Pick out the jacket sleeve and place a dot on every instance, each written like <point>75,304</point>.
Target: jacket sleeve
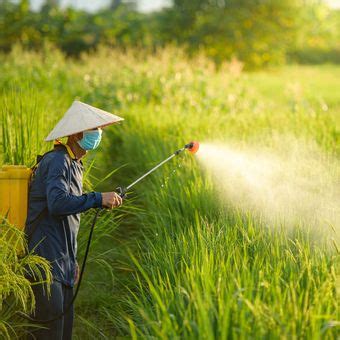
<point>59,201</point>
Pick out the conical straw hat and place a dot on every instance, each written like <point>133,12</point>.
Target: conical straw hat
<point>81,117</point>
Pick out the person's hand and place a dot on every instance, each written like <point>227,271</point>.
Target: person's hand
<point>111,200</point>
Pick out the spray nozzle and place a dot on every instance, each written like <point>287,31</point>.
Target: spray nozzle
<point>192,146</point>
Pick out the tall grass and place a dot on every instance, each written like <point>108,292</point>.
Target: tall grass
<point>23,126</point>
<point>204,269</point>
<point>231,280</point>
<point>181,264</point>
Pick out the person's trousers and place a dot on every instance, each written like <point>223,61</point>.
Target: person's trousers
<point>49,307</point>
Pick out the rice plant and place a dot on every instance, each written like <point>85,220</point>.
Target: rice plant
<point>15,286</point>
<point>24,125</point>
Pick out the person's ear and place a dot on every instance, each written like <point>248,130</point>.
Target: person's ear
<point>78,136</point>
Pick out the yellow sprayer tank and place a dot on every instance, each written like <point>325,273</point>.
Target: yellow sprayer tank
<point>14,182</point>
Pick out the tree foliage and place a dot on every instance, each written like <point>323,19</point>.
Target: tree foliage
<point>258,32</point>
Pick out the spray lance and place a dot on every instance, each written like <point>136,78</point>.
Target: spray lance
<point>192,147</point>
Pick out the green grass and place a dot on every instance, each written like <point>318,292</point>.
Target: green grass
<point>177,262</point>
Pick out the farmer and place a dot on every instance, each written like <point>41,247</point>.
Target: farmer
<point>56,200</point>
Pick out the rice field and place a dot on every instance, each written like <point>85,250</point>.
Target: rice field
<point>178,260</point>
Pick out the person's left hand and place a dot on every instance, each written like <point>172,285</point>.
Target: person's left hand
<point>76,275</point>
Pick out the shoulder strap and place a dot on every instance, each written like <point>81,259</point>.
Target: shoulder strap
<point>38,160</point>
<point>69,170</point>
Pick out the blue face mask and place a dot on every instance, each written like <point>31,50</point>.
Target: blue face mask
<point>91,139</point>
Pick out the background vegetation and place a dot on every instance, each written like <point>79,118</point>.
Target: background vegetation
<point>258,33</point>
<point>15,289</point>
<point>176,262</point>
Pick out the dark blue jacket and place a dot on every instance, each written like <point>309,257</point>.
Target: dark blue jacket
<point>57,186</point>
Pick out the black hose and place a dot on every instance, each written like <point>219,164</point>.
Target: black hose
<point>28,317</point>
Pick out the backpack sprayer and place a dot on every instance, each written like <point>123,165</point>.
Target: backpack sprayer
<point>192,147</point>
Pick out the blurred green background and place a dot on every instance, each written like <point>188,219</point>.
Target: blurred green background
<point>257,32</point>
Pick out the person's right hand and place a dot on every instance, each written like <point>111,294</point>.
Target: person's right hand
<point>111,200</point>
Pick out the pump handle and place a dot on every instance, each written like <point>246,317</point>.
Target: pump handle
<point>121,192</point>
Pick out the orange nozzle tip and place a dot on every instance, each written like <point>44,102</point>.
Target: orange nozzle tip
<point>194,146</point>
